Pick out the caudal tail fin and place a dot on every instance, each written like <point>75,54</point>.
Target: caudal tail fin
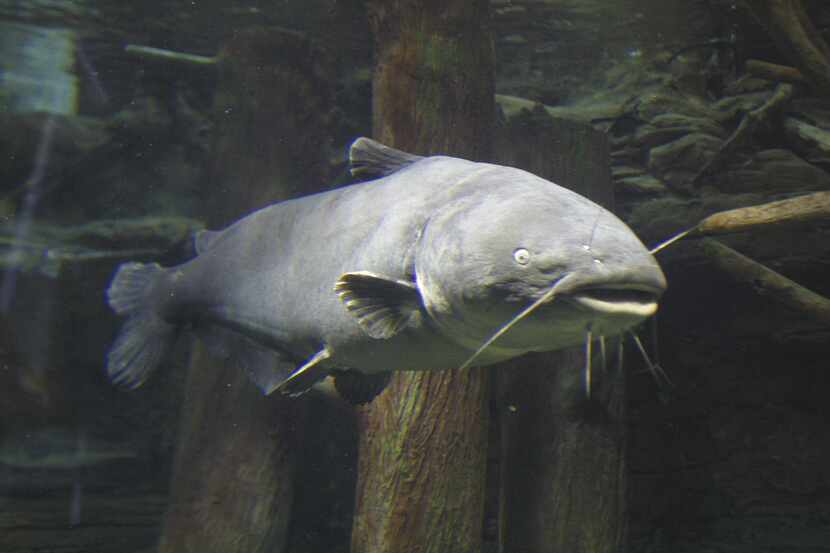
<point>145,338</point>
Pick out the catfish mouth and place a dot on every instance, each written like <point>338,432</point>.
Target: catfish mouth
<point>622,300</point>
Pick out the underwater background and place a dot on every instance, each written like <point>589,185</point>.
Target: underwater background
<point>126,127</point>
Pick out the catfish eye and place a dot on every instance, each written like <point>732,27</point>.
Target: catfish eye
<point>521,256</point>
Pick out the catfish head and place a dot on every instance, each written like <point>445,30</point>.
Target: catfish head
<point>485,257</point>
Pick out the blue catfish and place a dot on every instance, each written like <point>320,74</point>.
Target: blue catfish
<point>438,262</point>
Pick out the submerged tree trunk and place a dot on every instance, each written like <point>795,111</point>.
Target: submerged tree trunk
<point>233,478</point>
<point>433,88</point>
<point>562,470</point>
<point>423,444</point>
<point>563,464</point>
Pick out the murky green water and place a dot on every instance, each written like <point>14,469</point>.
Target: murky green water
<point>128,128</point>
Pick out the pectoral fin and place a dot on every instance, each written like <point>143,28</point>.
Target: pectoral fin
<point>383,306</point>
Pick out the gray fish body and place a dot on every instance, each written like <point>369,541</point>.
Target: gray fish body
<point>414,270</point>
<point>272,274</point>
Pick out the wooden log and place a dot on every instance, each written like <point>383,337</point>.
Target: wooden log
<point>769,283</point>
<point>774,71</point>
<point>570,153</point>
<point>564,476</point>
<point>796,37</point>
<point>422,452</point>
<point>233,477</point>
<point>433,88</point>
<point>271,106</point>
<point>562,471</point>
<point>801,210</point>
<point>421,465</point>
<point>809,209</point>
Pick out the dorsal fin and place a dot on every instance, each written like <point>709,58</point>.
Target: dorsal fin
<point>370,158</point>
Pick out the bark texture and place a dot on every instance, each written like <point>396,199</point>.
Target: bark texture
<point>422,464</point>
<point>799,211</point>
<point>433,84</point>
<point>563,477</point>
<point>233,480</point>
<point>423,444</point>
<point>564,465</point>
<point>271,107</point>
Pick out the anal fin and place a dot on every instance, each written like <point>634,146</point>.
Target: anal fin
<point>266,367</point>
<point>310,373</point>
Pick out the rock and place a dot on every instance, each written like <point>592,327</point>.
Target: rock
<point>677,161</point>
<point>671,126</point>
<point>775,170</point>
<point>648,136</point>
<point>625,171</point>
<point>627,155</point>
<point>642,185</point>
<point>517,40</point>
<point>811,142</point>
<point>159,233</point>
<point>59,448</point>
<point>583,111</point>
<point>732,107</point>
<point>50,249</point>
<point>650,106</point>
<point>695,124</point>
<point>815,111</point>
<point>748,84</point>
<point>507,10</point>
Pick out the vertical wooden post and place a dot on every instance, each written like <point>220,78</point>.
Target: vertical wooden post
<point>563,476</point>
<point>563,472</point>
<point>422,454</point>
<point>433,88</point>
<point>232,487</point>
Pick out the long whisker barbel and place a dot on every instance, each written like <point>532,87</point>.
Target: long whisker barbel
<point>670,241</point>
<point>655,369</point>
<point>603,354</point>
<point>547,296</point>
<point>588,340</point>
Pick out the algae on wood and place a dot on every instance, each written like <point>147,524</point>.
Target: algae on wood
<point>423,444</point>
<point>421,464</point>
